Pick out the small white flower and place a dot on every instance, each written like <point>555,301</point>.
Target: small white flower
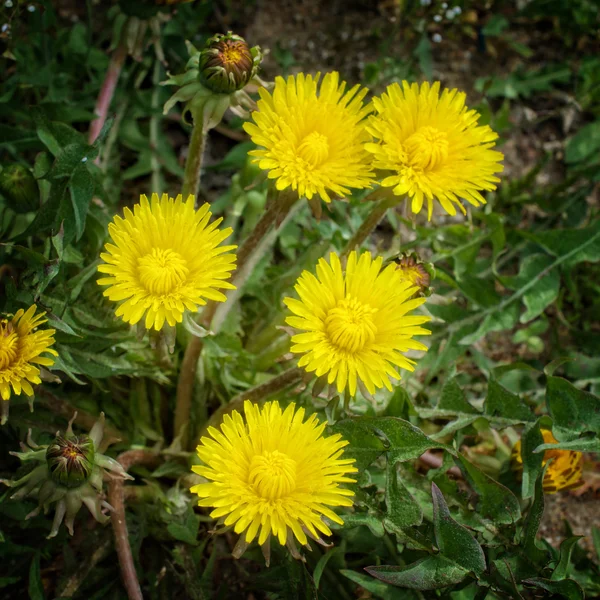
<point>437,18</point>
<point>84,159</point>
<point>436,37</point>
<point>457,10</point>
<point>31,8</point>
<point>8,4</point>
<point>444,5</point>
<point>450,14</point>
<point>5,27</point>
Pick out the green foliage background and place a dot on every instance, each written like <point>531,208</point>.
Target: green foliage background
<point>516,315</point>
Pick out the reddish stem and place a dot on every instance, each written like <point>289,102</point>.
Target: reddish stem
<point>107,92</point>
<point>116,497</point>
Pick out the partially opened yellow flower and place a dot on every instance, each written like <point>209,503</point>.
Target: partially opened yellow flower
<point>312,139</point>
<point>355,325</point>
<point>273,474</point>
<point>563,473</point>
<point>21,350</point>
<point>165,259</point>
<point>433,146</point>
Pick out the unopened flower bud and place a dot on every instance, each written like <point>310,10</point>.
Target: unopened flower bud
<point>70,460</point>
<point>19,188</point>
<point>227,63</point>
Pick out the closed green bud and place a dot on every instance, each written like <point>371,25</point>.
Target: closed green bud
<point>19,188</point>
<point>70,460</point>
<point>227,64</point>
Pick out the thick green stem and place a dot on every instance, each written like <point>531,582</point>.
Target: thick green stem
<point>277,210</point>
<point>256,394</point>
<point>368,225</point>
<point>193,165</point>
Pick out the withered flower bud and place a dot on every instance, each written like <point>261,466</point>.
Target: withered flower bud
<point>227,63</point>
<point>19,188</point>
<point>70,461</point>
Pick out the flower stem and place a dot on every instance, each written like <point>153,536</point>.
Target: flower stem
<point>256,394</point>
<point>116,498</point>
<point>193,164</point>
<point>247,256</point>
<point>107,92</point>
<point>368,225</point>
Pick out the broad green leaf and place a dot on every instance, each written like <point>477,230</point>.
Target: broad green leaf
<point>545,290</point>
<point>532,523</point>
<point>81,187</point>
<point>496,320</point>
<point>453,398</point>
<point>566,588</point>
<point>570,246</point>
<point>402,509</point>
<point>566,548</point>
<point>481,292</point>
<point>429,573</point>
<point>379,589</point>
<point>70,158</point>
<point>585,443</point>
<point>370,521</point>
<point>495,502</point>
<point>584,143</point>
<point>453,540</point>
<point>370,437</point>
<point>573,411</point>
<point>499,401</point>
<point>532,462</point>
<point>36,587</point>
<point>320,566</point>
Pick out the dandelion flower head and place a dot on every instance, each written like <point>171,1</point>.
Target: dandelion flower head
<point>355,326</point>
<point>274,473</point>
<point>434,147</point>
<point>565,470</point>
<point>312,138</point>
<point>164,259</point>
<point>21,349</point>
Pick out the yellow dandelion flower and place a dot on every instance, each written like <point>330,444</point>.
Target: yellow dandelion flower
<point>312,139</point>
<point>434,146</point>
<point>355,326</point>
<point>21,350</point>
<point>165,259</point>
<point>563,473</point>
<point>274,473</point>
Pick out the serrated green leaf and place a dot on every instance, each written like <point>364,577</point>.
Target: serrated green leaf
<point>81,187</point>
<point>566,588</point>
<point>36,587</point>
<point>499,320</point>
<point>499,401</point>
<point>532,522</point>
<point>453,540</point>
<point>571,246</point>
<point>69,159</point>
<point>573,411</point>
<point>378,588</point>
<point>495,502</point>
<point>453,398</point>
<point>429,573</point>
<point>584,143</point>
<point>402,509</point>
<point>532,462</point>
<point>369,437</point>
<point>566,548</point>
<point>370,521</point>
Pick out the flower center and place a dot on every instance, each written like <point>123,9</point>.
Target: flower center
<point>427,148</point>
<point>314,149</point>
<point>232,53</point>
<point>162,271</point>
<point>8,346</point>
<point>272,474</point>
<point>350,325</point>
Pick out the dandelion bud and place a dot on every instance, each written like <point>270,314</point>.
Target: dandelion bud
<point>70,461</point>
<point>19,188</point>
<point>227,63</point>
